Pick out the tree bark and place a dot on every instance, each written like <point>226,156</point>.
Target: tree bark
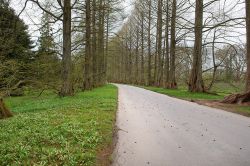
<point>142,49</point>
<point>159,42</point>
<point>149,44</point>
<point>196,83</point>
<point>101,54</point>
<point>137,57</point>
<point>67,87</point>
<point>94,38</point>
<point>248,44</point>
<point>87,65</point>
<point>130,69</point>
<point>107,42</point>
<point>214,63</point>
<point>126,59</point>
<point>166,69</point>
<point>172,80</point>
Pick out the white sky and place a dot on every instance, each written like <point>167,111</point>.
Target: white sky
<point>32,15</point>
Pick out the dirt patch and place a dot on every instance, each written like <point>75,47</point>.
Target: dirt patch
<point>235,108</point>
<point>104,155</point>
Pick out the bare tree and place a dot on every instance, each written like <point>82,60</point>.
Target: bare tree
<point>248,43</point>
<point>196,83</point>
<point>88,54</point>
<point>67,87</point>
<point>172,81</point>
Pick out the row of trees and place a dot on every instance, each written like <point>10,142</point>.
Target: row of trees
<point>72,47</point>
<point>166,42</point>
<point>85,30</point>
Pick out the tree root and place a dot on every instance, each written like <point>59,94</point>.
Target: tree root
<point>237,98</point>
<point>4,111</point>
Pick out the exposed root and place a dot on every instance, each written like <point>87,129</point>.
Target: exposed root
<point>237,98</point>
<point>4,111</point>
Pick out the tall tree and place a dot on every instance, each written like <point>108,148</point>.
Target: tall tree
<point>142,48</point>
<point>66,74</point>
<point>195,82</point>
<point>93,44</point>
<point>159,42</point>
<point>149,82</point>
<point>67,87</point>
<point>172,80</point>
<point>166,69</point>
<point>248,43</point>
<point>137,56</point>
<point>100,43</point>
<point>88,57</point>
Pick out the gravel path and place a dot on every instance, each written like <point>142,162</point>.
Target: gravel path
<point>158,130</point>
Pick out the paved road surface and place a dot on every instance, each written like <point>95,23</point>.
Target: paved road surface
<point>158,130</point>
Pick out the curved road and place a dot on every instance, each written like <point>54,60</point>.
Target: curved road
<point>157,130</point>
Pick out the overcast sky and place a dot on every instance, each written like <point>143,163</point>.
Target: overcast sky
<point>32,14</point>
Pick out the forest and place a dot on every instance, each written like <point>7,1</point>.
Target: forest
<point>161,43</point>
<point>62,58</point>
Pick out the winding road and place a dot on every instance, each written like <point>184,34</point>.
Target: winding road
<point>157,130</point>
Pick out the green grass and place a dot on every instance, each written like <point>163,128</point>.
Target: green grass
<point>228,88</point>
<point>245,109</point>
<point>185,94</point>
<point>58,131</point>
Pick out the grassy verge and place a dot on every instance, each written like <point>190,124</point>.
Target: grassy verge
<point>185,94</point>
<point>243,110</point>
<point>204,99</point>
<point>58,131</point>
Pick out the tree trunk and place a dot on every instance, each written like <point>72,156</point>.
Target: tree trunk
<point>142,49</point>
<point>137,57</point>
<point>94,55</point>
<point>130,58</point>
<point>4,111</point>
<point>214,63</point>
<point>67,88</point>
<point>126,58</point>
<point>166,69</point>
<point>159,42</point>
<point>172,80</point>
<point>248,44</point>
<point>101,54</point>
<point>87,65</point>
<point>149,44</point>
<point>196,83</point>
<point>106,43</point>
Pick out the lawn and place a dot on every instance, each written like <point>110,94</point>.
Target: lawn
<point>49,130</point>
<point>185,94</point>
